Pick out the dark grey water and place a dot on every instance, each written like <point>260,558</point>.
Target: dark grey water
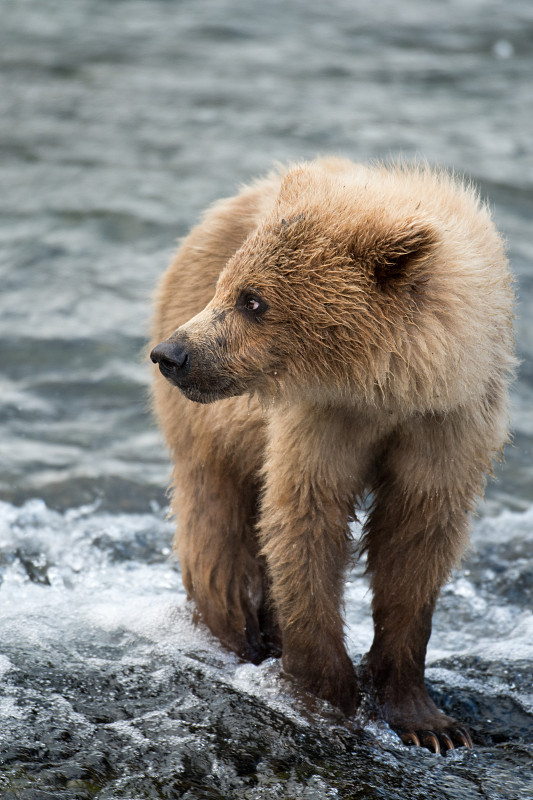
<point>119,122</point>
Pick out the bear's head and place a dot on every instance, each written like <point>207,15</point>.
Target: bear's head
<point>313,299</point>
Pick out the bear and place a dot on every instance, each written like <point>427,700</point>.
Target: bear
<point>336,336</point>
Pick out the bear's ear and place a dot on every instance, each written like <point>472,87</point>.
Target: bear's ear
<point>399,255</point>
<point>296,183</point>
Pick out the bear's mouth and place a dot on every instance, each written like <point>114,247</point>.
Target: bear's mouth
<point>216,391</point>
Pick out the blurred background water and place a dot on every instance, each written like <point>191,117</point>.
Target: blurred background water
<point>120,120</point>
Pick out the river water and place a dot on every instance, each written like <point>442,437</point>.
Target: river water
<point>119,121</point>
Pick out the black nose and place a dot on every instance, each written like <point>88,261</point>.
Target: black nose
<point>173,359</point>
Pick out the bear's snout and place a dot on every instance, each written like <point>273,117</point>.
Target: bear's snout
<point>173,360</point>
<point>193,369</point>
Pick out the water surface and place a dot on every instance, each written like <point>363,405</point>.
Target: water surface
<point>119,122</point>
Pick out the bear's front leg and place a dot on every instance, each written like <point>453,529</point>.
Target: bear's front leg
<point>304,534</point>
<point>415,533</point>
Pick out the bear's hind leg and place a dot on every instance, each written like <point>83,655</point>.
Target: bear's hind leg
<point>221,569</point>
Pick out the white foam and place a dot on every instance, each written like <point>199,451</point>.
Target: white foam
<point>9,710</point>
<point>92,591</point>
<point>5,665</point>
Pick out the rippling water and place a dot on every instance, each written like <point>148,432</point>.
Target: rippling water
<point>119,122</point>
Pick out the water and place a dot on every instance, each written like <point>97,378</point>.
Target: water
<point>119,122</point>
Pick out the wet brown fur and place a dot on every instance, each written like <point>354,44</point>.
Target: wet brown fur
<point>381,364</point>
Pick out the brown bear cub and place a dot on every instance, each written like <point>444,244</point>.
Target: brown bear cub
<point>353,325</point>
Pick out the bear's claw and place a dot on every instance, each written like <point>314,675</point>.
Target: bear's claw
<point>446,740</point>
<point>465,738</point>
<point>430,741</point>
<point>437,743</point>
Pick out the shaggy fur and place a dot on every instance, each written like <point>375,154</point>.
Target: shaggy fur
<point>354,325</point>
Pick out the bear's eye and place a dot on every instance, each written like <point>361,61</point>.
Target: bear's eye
<point>251,303</point>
